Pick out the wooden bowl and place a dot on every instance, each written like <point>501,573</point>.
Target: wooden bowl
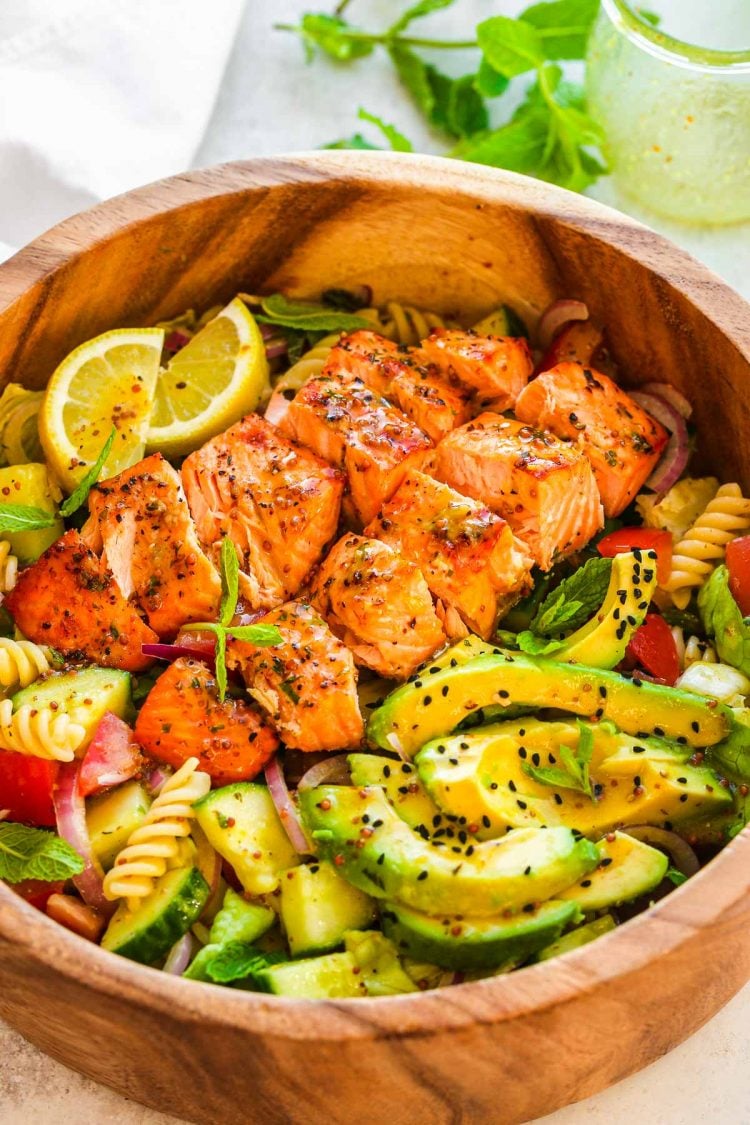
<point>454,238</point>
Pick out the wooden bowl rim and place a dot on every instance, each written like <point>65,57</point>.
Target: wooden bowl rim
<point>720,886</point>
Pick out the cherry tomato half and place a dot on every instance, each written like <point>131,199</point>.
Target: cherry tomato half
<point>26,788</point>
<point>738,565</point>
<point>653,648</point>
<point>644,538</point>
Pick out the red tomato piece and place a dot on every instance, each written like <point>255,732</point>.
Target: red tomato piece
<point>36,892</point>
<point>113,756</point>
<point>644,539</point>
<point>26,788</point>
<point>738,565</point>
<point>653,648</point>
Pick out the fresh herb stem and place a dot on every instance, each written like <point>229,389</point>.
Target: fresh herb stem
<point>387,40</point>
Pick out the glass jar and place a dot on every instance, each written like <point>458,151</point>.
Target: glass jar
<point>676,114</point>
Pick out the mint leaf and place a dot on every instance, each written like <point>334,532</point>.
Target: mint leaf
<point>18,517</point>
<point>80,495</point>
<point>675,876</point>
<point>396,140</point>
<point>563,26</point>
<point>230,578</point>
<point>575,774</point>
<point>307,315</point>
<point>259,635</point>
<point>220,663</point>
<point>466,112</point>
<point>333,36</point>
<point>536,646</point>
<point>451,104</point>
<point>518,146</point>
<point>33,853</point>
<point>356,141</point>
<point>510,46</point>
<point>415,12</point>
<point>575,600</point>
<point>237,960</point>
<point>489,81</point>
<point>550,775</point>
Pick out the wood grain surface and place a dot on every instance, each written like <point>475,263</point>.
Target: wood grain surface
<point>459,240</point>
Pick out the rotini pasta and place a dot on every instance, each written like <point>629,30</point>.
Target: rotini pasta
<point>8,567</point>
<point>702,548</point>
<point>693,650</point>
<point>404,323</point>
<point>39,732</point>
<point>155,844</point>
<point>21,662</point>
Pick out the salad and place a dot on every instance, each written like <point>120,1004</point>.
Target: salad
<point>349,651</point>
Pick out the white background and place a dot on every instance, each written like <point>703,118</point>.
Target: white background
<point>271,102</point>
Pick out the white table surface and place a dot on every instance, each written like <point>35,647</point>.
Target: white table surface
<point>271,102</point>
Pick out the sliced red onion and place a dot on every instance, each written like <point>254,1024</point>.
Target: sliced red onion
<point>459,977</point>
<point>157,778</point>
<point>276,347</point>
<point>670,395</point>
<point>331,771</point>
<point>180,955</point>
<point>556,316</point>
<point>267,331</point>
<point>682,855</point>
<point>286,807</point>
<point>675,456</point>
<point>278,407</point>
<point>70,813</point>
<point>174,652</point>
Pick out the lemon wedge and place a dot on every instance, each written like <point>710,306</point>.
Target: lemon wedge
<point>218,377</point>
<point>108,381</point>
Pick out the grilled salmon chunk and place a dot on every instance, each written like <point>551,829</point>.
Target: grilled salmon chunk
<point>307,685</point>
<point>379,605</point>
<point>543,487</point>
<point>622,442</point>
<point>140,520</point>
<point>353,427</point>
<point>496,367</point>
<point>278,503</point>
<point>470,558</point>
<point>413,384</point>
<point>183,716</point>
<point>70,600</point>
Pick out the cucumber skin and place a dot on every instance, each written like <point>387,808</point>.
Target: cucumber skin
<point>157,939</point>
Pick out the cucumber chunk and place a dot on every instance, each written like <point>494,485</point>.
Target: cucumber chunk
<point>112,817</point>
<point>333,977</point>
<point>84,694</point>
<point>241,822</point>
<point>148,933</point>
<point>582,935</point>
<point>318,907</point>
<point>30,486</point>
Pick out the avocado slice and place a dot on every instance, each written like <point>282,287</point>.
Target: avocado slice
<point>465,942</point>
<point>627,869</point>
<point>318,907</point>
<point>111,819</point>
<point>602,641</point>
<point>435,703</point>
<point>336,976</point>
<point>361,833</point>
<point>484,776</point>
<point>241,822</point>
<point>402,787</point>
<point>379,963</point>
<point>582,935</point>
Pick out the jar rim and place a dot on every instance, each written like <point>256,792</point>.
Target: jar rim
<point>630,22</point>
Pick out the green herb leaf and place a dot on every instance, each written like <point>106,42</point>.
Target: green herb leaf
<point>536,646</point>
<point>563,26</point>
<point>552,776</point>
<point>575,774</point>
<point>220,659</point>
<point>287,686</point>
<point>357,142</point>
<point>307,315</point>
<point>489,82</point>
<point>451,104</point>
<point>237,960</point>
<point>415,12</point>
<point>676,877</point>
<point>333,37</point>
<point>259,635</point>
<point>396,140</point>
<point>80,495</point>
<point>341,300</point>
<point>32,853</point>
<point>518,146</point>
<point>230,578</point>
<point>510,46</point>
<point>575,600</point>
<point>18,517</point>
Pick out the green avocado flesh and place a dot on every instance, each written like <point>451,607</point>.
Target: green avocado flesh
<point>336,977</point>
<point>84,694</point>
<point>627,869</point>
<point>111,819</point>
<point>148,933</point>
<point>582,935</point>
<point>487,776</point>
<point>360,832</point>
<point>401,784</point>
<point>465,942</point>
<point>436,702</point>
<point>318,907</point>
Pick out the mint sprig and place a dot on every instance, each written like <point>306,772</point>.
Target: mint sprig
<point>576,762</point>
<point>33,853</point>
<point>80,495</point>
<point>19,517</point>
<point>549,135</point>
<point>259,635</point>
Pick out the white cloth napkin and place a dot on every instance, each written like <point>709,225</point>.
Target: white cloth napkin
<point>98,96</point>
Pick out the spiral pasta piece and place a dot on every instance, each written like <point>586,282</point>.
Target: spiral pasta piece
<point>703,546</point>
<point>39,732</point>
<point>21,662</point>
<point>155,845</point>
<point>8,567</point>
<point>697,651</point>
<point>404,323</point>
